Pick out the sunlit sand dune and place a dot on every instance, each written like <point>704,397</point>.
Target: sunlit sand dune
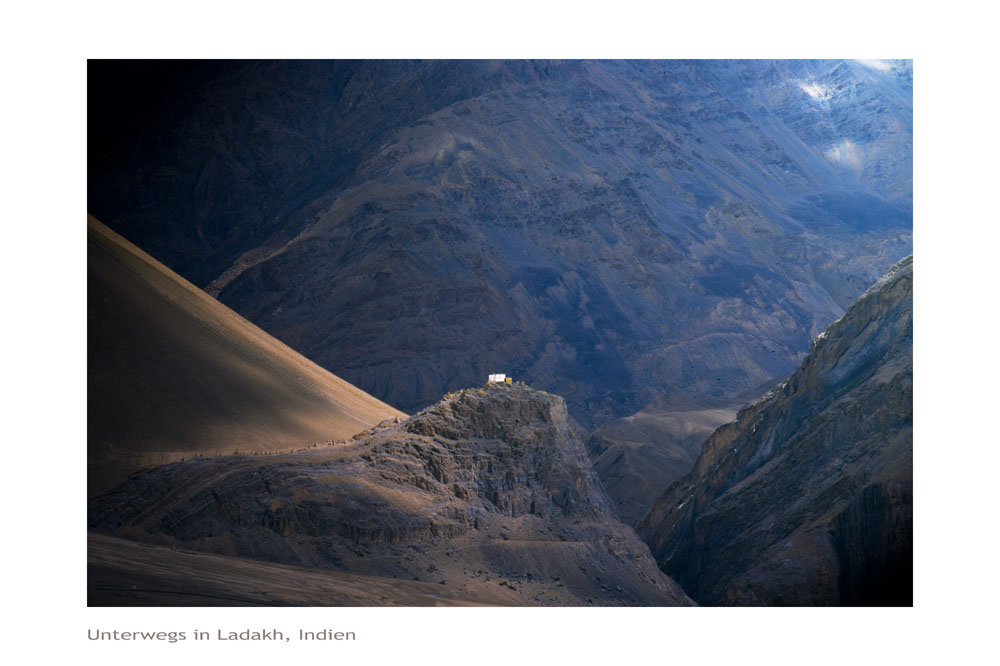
<point>173,373</point>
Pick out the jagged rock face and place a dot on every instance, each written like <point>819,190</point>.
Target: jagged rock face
<point>530,449</point>
<point>489,487</point>
<point>614,232</point>
<point>807,498</point>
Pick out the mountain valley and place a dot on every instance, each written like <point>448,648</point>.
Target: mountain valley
<point>696,275</point>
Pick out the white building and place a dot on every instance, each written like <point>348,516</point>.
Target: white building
<point>501,378</point>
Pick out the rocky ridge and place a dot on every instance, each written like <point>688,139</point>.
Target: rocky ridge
<point>487,491</point>
<point>807,499</point>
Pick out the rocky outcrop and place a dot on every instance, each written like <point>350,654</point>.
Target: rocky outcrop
<point>807,498</point>
<point>488,488</point>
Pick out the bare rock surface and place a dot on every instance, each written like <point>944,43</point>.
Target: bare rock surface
<point>807,499</point>
<point>487,491</point>
<point>611,231</point>
<point>639,456</point>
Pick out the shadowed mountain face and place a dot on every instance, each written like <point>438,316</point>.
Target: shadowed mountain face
<point>808,498</point>
<point>487,493</point>
<point>638,456</point>
<point>620,233</point>
<point>172,373</point>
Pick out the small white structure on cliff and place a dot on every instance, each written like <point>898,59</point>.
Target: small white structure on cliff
<point>497,379</point>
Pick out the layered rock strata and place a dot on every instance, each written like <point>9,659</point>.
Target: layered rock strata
<point>807,499</point>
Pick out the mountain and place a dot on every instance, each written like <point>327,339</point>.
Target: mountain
<point>488,494</point>
<point>807,499</point>
<point>172,373</point>
<point>630,235</point>
<point>638,456</point>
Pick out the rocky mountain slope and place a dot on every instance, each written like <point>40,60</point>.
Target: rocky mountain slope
<point>127,573</point>
<point>625,234</point>
<point>172,373</point>
<point>487,493</point>
<point>808,498</point>
<point>638,456</point>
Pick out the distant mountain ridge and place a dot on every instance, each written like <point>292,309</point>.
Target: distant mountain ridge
<point>807,499</point>
<point>621,233</point>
